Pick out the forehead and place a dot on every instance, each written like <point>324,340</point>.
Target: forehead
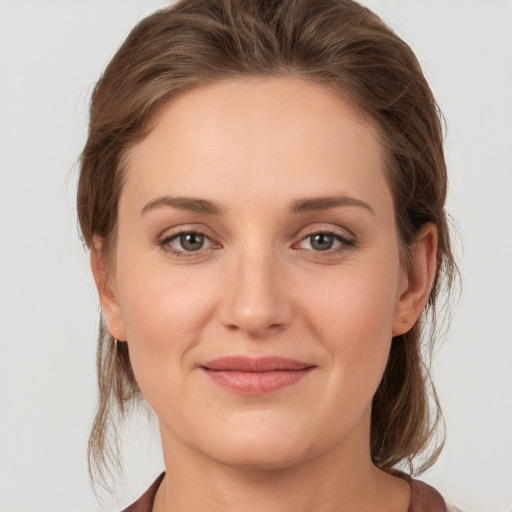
<point>285,134</point>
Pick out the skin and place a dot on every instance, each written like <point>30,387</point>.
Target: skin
<point>259,286</point>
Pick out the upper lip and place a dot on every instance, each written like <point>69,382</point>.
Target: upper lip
<point>255,364</point>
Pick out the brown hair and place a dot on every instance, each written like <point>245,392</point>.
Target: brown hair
<point>337,43</point>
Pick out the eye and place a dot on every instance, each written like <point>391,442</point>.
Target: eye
<point>185,242</point>
<point>322,241</point>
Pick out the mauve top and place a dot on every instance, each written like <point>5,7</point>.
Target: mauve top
<point>423,498</point>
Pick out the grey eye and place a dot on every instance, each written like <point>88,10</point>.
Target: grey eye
<point>192,241</point>
<point>321,241</point>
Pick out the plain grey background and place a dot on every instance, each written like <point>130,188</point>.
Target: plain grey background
<point>51,53</point>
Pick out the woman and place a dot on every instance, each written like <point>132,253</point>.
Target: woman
<point>262,191</point>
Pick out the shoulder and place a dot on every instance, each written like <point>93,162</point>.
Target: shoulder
<point>145,502</point>
<point>424,498</point>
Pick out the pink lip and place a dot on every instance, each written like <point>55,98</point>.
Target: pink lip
<point>256,376</point>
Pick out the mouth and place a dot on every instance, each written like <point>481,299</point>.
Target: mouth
<point>256,376</point>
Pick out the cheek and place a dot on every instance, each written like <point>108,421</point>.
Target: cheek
<point>354,302</point>
<point>164,314</point>
<point>352,313</point>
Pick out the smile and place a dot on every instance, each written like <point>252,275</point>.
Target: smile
<point>256,376</point>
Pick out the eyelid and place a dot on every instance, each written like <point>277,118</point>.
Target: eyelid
<point>186,228</point>
<point>326,228</point>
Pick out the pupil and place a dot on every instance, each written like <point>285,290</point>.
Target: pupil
<point>322,242</point>
<point>191,241</point>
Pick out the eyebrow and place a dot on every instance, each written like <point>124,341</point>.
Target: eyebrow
<point>303,205</point>
<point>191,204</point>
<point>313,204</point>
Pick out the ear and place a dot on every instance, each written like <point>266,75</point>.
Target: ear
<point>105,284</point>
<point>417,280</point>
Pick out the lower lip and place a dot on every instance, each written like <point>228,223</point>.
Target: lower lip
<point>256,383</point>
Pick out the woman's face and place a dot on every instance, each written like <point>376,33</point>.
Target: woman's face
<point>257,276</point>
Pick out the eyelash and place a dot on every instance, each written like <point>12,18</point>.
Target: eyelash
<point>164,244</point>
<point>346,243</point>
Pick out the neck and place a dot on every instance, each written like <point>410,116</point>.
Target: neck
<point>341,480</point>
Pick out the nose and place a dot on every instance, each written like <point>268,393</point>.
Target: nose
<point>257,299</point>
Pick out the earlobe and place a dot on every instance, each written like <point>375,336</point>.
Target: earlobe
<point>107,291</point>
<point>419,279</point>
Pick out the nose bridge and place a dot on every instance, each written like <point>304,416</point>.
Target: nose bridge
<point>256,298</point>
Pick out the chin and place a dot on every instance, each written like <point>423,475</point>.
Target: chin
<point>258,455</point>
<point>264,445</point>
